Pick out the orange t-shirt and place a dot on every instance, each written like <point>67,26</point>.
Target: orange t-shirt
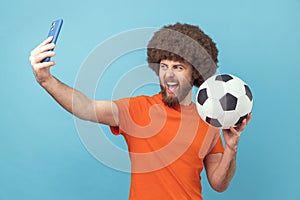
<point>166,147</point>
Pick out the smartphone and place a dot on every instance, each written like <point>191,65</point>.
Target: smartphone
<point>54,31</point>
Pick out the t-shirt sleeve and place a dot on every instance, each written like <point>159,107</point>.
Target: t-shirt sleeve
<point>123,110</point>
<point>129,110</point>
<point>218,148</point>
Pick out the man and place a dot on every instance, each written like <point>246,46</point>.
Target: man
<point>168,143</point>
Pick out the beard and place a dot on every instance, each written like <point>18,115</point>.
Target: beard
<point>170,100</point>
<point>173,100</point>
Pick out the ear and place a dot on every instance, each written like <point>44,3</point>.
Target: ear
<point>195,74</point>
<point>198,79</point>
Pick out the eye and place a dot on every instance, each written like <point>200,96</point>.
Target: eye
<point>178,67</point>
<point>163,67</point>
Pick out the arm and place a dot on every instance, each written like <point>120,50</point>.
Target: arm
<point>70,99</point>
<point>220,168</point>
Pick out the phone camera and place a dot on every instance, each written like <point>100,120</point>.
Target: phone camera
<point>52,26</point>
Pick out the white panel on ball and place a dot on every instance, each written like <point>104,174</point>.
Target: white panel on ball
<point>244,105</point>
<point>216,89</point>
<point>229,119</point>
<point>212,108</point>
<point>234,87</point>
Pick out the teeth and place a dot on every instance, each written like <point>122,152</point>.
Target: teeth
<point>170,83</point>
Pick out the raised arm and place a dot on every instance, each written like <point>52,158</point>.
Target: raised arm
<point>220,168</point>
<point>73,101</point>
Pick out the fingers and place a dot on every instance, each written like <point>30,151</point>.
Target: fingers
<point>244,123</point>
<point>41,52</point>
<point>46,41</point>
<point>41,69</point>
<point>37,54</point>
<point>44,48</point>
<point>37,58</point>
<point>232,135</point>
<point>249,118</point>
<point>43,65</point>
<point>235,131</point>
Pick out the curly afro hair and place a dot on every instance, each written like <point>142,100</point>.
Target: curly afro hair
<point>184,43</point>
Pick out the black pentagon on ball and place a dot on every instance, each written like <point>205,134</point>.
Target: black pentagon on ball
<point>213,122</point>
<point>228,102</point>
<point>248,92</point>
<point>202,96</point>
<point>223,77</point>
<point>241,120</point>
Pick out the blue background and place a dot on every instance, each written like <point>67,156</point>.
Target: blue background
<point>41,154</point>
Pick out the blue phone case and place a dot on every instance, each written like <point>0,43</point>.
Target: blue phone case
<point>54,31</point>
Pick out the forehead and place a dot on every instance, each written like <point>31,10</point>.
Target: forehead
<point>172,62</point>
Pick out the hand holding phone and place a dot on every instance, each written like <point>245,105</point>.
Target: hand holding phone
<point>54,31</point>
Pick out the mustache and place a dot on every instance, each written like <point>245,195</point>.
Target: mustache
<point>170,80</point>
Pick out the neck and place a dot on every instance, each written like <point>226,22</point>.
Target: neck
<point>187,100</point>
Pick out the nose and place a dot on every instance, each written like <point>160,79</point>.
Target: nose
<point>169,73</point>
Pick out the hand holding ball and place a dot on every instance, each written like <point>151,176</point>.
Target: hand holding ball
<point>223,101</point>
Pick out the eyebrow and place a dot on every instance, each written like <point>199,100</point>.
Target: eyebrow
<point>176,65</point>
<point>181,65</point>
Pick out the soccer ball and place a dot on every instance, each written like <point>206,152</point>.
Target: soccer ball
<point>223,101</point>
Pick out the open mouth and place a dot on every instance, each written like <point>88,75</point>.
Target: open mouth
<point>172,87</point>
